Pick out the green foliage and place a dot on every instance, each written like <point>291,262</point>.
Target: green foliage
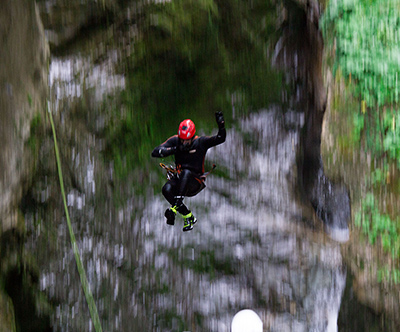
<point>367,45</point>
<point>374,225</point>
<point>382,133</point>
<point>32,142</point>
<point>391,138</point>
<point>30,102</point>
<point>378,177</point>
<point>389,275</point>
<point>367,34</point>
<point>358,123</point>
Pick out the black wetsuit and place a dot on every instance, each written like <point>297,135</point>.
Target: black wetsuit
<point>190,161</point>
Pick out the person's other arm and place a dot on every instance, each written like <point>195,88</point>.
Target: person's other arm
<point>166,149</point>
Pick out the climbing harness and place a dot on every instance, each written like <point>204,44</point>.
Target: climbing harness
<point>173,171</point>
<point>204,175</point>
<point>84,282</point>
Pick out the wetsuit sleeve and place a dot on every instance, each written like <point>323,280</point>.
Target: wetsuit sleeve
<point>165,149</point>
<point>211,141</point>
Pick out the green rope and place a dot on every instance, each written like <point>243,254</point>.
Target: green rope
<point>81,270</point>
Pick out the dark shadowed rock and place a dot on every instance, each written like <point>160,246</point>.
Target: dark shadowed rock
<point>24,57</point>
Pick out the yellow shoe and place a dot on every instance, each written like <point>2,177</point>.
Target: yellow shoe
<point>189,221</point>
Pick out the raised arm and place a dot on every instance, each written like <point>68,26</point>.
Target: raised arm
<point>221,136</point>
<point>219,117</point>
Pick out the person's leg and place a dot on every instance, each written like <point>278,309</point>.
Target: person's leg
<point>169,191</point>
<point>175,191</point>
<point>187,186</point>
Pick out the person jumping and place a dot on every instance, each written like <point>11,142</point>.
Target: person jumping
<point>190,152</point>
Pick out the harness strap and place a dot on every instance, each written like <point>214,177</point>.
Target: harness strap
<point>204,175</point>
<point>172,171</point>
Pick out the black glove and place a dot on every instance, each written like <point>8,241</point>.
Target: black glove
<point>164,152</point>
<point>219,117</point>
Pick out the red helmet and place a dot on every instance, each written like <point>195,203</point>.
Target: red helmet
<point>186,129</point>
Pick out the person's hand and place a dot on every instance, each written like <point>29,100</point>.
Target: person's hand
<point>219,117</point>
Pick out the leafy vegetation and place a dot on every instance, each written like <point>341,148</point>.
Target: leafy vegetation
<point>367,46</point>
<point>375,224</point>
<point>387,275</point>
<point>35,129</point>
<point>365,35</point>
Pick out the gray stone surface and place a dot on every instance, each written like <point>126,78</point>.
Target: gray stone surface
<point>23,89</point>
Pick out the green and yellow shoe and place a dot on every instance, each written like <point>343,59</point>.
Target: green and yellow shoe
<point>188,221</point>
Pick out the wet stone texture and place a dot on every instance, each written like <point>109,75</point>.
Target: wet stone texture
<point>23,90</point>
<point>257,244</point>
<point>252,247</point>
<point>249,249</point>
<point>24,56</point>
<point>262,257</point>
<point>300,52</point>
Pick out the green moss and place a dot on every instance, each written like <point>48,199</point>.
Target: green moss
<point>30,100</point>
<point>33,140</point>
<point>7,321</point>
<point>204,262</point>
<point>389,275</point>
<point>170,318</point>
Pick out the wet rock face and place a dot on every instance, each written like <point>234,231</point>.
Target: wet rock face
<point>23,88</point>
<point>300,50</point>
<point>64,20</point>
<point>332,204</point>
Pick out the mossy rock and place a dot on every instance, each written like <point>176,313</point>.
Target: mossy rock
<point>7,321</point>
